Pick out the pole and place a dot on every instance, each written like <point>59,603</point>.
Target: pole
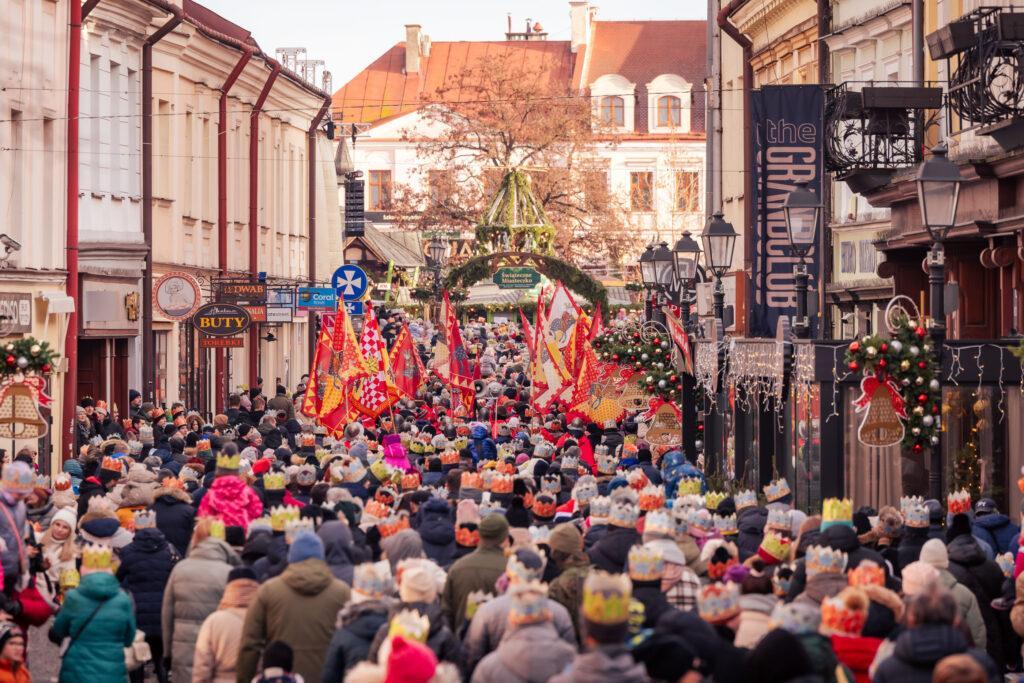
<point>917,28</point>
<point>802,327</point>
<point>936,282</point>
<point>719,300</point>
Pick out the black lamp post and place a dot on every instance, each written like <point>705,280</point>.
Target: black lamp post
<point>648,277</point>
<point>437,252</point>
<point>719,238</point>
<point>938,193</point>
<point>685,256</point>
<point>803,210</point>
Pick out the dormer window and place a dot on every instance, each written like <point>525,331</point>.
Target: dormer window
<point>669,111</point>
<point>668,104</point>
<point>612,110</point>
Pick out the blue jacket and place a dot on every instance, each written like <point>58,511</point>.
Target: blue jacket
<point>146,565</point>
<point>97,654</point>
<point>996,530</point>
<point>482,445</point>
<point>174,517</point>
<point>437,531</point>
<point>675,467</point>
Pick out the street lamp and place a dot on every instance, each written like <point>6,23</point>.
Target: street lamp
<point>657,273</point>
<point>647,276</point>
<point>719,238</point>
<point>803,209</point>
<point>938,193</point>
<point>685,256</point>
<point>437,253</point>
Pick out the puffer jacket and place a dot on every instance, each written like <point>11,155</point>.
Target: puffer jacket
<point>997,530</point>
<point>750,522</point>
<point>440,639</point>
<point>856,654</point>
<point>337,540</point>
<point>919,649</point>
<point>970,566</point>
<point>437,531</point>
<point>193,591</point>
<point>97,653</point>
<point>146,564</point>
<point>910,545</point>
<point>674,467</point>
<point>174,516</point>
<point>516,659</point>
<point>755,617</point>
<point>358,626</point>
<point>489,626</point>
<point>970,611</point>
<point>608,664</point>
<point>482,445</point>
<point>231,501</point>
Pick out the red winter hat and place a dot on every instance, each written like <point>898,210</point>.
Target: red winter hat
<point>410,662</point>
<point>261,466</point>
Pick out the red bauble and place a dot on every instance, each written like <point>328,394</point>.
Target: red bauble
<point>920,332</point>
<point>935,410</point>
<point>679,387</point>
<point>615,356</point>
<point>917,448</point>
<point>884,347</point>
<point>700,427</point>
<point>597,344</point>
<point>922,365</point>
<point>11,361</point>
<point>854,365</point>
<point>854,347</point>
<point>922,398</point>
<point>636,335</point>
<point>673,378</point>
<point>632,357</point>
<point>657,342</point>
<point>46,368</point>
<point>882,363</point>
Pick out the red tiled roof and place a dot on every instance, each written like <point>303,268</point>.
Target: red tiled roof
<point>382,90</point>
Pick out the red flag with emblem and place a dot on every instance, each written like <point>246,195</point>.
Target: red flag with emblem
<point>460,375</point>
<point>407,367</point>
<point>377,392</point>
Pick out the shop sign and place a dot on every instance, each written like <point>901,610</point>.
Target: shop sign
<point>258,313</point>
<point>131,306</point>
<point>516,278</point>
<point>176,296</point>
<point>283,297</point>
<point>278,315</point>
<point>317,298</point>
<point>221,320</point>
<point>15,312</point>
<point>221,342</point>
<point>247,292</point>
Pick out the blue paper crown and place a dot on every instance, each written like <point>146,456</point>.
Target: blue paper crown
<point>726,525</point>
<point>779,519</point>
<point>776,490</point>
<point>585,490</point>
<point>551,483</point>
<point>601,507</point>
<point>916,517</point>
<point>372,580</point>
<point>796,618</point>
<point>822,559</point>
<point>624,514</point>
<point>144,519</point>
<point>719,601</point>
<point>660,522</point>
<point>646,564</point>
<point>540,535</point>
<point>745,499</point>
<point>700,520</point>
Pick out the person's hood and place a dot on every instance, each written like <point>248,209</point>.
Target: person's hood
<point>149,540</point>
<point>214,549</point>
<point>256,546</point>
<point>607,665</point>
<point>751,520</point>
<point>924,646</point>
<point>169,496</point>
<point>229,487</point>
<point>98,586</point>
<point>358,451</point>
<point>337,539</point>
<point>966,550</point>
<point>840,537</point>
<point>364,619</point>
<point>758,602</point>
<point>431,611</point>
<point>996,520</point>
<point>136,494</point>
<point>435,523</point>
<point>857,653</point>
<point>519,648</point>
<point>308,577</point>
<point>480,432</point>
<point>821,586</point>
<point>104,527</point>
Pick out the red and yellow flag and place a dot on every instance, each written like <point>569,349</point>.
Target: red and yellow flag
<point>377,392</point>
<point>406,365</point>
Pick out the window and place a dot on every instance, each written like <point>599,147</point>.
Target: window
<point>437,182</point>
<point>595,189</point>
<point>669,111</point>
<point>380,190</point>
<point>848,257</point>
<point>641,191</point>
<point>613,111</point>
<point>867,256</point>
<point>687,191</point>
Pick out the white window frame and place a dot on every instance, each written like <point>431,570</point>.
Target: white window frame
<point>677,86</point>
<point>614,85</point>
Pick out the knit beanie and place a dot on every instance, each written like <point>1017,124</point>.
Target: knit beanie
<point>278,654</point>
<point>417,585</point>
<point>305,546</point>
<point>934,552</point>
<point>961,526</point>
<point>409,662</point>
<point>494,528</point>
<point>66,515</point>
<point>566,538</point>
<point>917,576</point>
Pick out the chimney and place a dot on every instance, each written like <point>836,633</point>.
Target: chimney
<point>413,38</point>
<point>426,46</point>
<point>580,15</point>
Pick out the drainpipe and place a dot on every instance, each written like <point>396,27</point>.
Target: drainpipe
<point>254,228</point>
<point>311,218</point>
<point>148,360</point>
<point>825,273</point>
<point>917,28</point>
<point>748,175</point>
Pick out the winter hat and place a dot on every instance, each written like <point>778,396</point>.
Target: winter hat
<point>66,515</point>
<point>415,584</point>
<point>566,538</point>
<point>934,552</point>
<point>409,662</point>
<point>961,526</point>
<point>494,528</point>
<point>845,614</point>
<point>278,654</point>
<point>666,657</point>
<point>9,630</point>
<point>241,573</point>
<point>466,512</point>
<point>917,576</point>
<point>779,657</point>
<point>305,546</point>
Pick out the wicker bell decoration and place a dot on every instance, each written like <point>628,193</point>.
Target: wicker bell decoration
<point>19,414</point>
<point>881,425</point>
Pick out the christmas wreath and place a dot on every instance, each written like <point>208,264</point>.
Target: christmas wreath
<point>900,389</point>
<point>651,359</point>
<point>27,356</point>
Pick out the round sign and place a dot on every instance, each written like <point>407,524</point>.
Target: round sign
<point>221,320</point>
<point>176,296</point>
<point>350,282</point>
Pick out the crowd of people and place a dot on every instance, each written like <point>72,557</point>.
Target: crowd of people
<point>432,545</point>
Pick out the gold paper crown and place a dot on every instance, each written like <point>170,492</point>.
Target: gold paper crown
<point>293,527</point>
<point>69,578</point>
<point>110,464</point>
<point>606,597</point>
<point>689,486</point>
<point>836,511</point>
<point>217,529</point>
<point>309,440</point>
<point>712,499</point>
<point>144,519</point>
<point>774,548</point>
<point>202,445</point>
<point>228,462</point>
<point>280,515</point>
<point>274,481</point>
<point>959,502</point>
<point>411,625</point>
<point>98,558</point>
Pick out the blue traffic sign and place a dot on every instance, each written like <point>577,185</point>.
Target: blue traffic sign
<point>350,282</point>
<point>354,307</point>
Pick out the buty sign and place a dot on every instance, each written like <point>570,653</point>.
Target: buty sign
<point>221,320</point>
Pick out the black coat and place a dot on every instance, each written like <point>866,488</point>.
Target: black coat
<point>840,537</point>
<point>174,517</point>
<point>612,552</point>
<point>146,565</point>
<point>918,650</point>
<point>649,594</point>
<point>351,643</point>
<point>910,545</point>
<point>437,531</point>
<point>86,490</point>
<point>750,522</point>
<point>970,566</point>
<point>440,638</point>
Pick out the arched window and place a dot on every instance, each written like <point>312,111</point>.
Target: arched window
<point>612,110</point>
<point>669,111</point>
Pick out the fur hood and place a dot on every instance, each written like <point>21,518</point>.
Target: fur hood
<point>177,494</point>
<point>886,598</point>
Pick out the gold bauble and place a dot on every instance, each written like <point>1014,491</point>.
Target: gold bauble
<point>35,349</point>
<point>905,365</point>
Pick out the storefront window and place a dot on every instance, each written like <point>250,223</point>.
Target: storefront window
<point>803,469</point>
<point>872,475</point>
<point>975,424</point>
<point>160,344</point>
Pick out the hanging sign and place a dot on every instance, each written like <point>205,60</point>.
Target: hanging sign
<point>248,292</point>
<point>516,278</point>
<point>221,342</point>
<point>176,296</point>
<point>884,410</point>
<point>317,298</point>
<point>221,320</point>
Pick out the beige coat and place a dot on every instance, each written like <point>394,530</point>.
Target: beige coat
<point>217,646</point>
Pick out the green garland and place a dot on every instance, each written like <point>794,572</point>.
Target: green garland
<point>27,355</point>
<point>630,350</point>
<point>518,219</point>
<point>906,358</point>
<point>426,294</point>
<point>1018,350</point>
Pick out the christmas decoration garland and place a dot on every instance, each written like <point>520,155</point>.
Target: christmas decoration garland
<point>27,356</point>
<point>903,364</point>
<point>652,360</point>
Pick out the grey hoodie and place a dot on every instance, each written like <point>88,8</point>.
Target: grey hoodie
<point>528,654</point>
<point>608,664</point>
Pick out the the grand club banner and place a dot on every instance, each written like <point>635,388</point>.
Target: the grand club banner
<point>787,121</point>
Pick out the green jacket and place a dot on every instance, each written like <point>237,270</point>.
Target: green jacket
<point>970,612</point>
<point>477,571</point>
<point>299,607</point>
<point>823,657</point>
<point>567,590</point>
<point>97,654</point>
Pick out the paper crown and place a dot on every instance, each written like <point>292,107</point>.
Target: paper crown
<point>779,520</point>
<point>172,483</point>
<point>145,432</point>
<point>502,483</point>
<point>308,441</point>
<point>461,442</point>
<point>519,573</point>
<point>776,490</point>
<point>544,449</point>
<point>274,481</point>
<point>700,521</point>
<point>623,514</point>
<point>908,502</point>
<point>392,524</point>
<point>376,509</point>
<point>774,548</point>
<point>410,482</point>
<point>745,499</point>
<point>606,597</point>
<point>646,563</point>
<point>689,486</point>
<point>636,479</point>
<point>836,511</point>
<point>411,625</point>
<point>490,507</point>
<point>726,525</point>
<point>529,604</point>
<point>144,519</point>
<point>600,449</point>
<point>385,495</point>
<point>471,480</point>
<point>306,476</point>
<point>719,602</point>
<point>280,515</point>
<point>540,535</point>
<point>134,447</point>
<point>449,457</point>
<point>1006,562</point>
<point>868,573</point>
<point>203,446</point>
<point>61,481</point>
<point>660,522</point>
<point>959,502</point>
<point>467,536</point>
<point>68,579</point>
<point>40,481</point>
<point>100,504</point>
<point>228,462</point>
<point>916,517</point>
<point>795,618</point>
<point>690,501</point>
<point>679,516</point>
<point>505,468</point>
<point>474,600</point>
<point>97,558</point>
<point>260,524</point>
<point>218,529</point>
<point>109,464</point>
<point>781,581</point>
<point>544,506</point>
<point>844,614</point>
<point>606,464</point>
<point>569,463</point>
<point>652,497</point>
<point>188,474</point>
<point>585,489</point>
<point>551,483</point>
<point>712,499</point>
<point>600,509</point>
<point>822,559</point>
<point>352,470</point>
<point>373,579</point>
<point>293,527</point>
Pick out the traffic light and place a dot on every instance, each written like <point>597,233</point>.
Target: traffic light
<point>354,203</point>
